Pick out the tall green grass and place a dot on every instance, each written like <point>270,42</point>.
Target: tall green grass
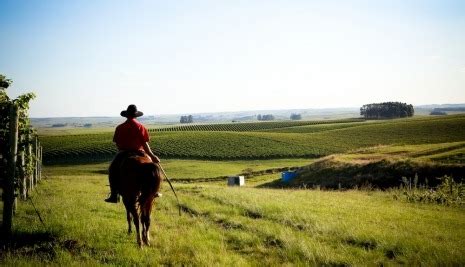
<point>221,225</point>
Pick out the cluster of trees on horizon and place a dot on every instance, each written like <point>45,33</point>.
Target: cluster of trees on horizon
<point>186,119</point>
<point>387,110</point>
<point>265,117</point>
<point>296,116</point>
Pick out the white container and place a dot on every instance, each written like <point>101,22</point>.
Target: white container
<point>236,180</point>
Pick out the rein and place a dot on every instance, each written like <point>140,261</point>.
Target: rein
<point>172,188</point>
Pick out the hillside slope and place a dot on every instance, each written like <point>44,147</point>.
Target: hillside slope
<point>218,145</point>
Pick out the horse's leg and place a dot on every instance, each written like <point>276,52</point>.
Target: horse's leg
<point>136,219</point>
<point>143,219</point>
<point>147,229</point>
<point>127,205</point>
<point>146,225</point>
<point>144,229</point>
<point>146,219</point>
<point>128,217</point>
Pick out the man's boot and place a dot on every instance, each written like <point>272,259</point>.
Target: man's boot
<point>113,179</point>
<point>113,198</point>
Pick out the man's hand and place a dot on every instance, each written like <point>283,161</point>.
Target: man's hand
<point>155,159</point>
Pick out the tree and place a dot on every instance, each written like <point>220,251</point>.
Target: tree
<point>19,108</point>
<point>386,110</point>
<point>4,84</point>
<point>295,116</point>
<point>186,119</point>
<point>268,117</point>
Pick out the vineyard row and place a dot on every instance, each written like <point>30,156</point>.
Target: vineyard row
<point>248,126</point>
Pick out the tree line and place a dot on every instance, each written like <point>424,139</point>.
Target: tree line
<point>387,110</point>
<point>296,116</point>
<point>186,119</point>
<point>265,117</point>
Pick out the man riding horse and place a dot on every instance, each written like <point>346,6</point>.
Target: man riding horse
<point>131,137</point>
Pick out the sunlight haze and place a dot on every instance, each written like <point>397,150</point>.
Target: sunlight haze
<point>93,58</point>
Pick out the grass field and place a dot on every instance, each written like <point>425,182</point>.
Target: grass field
<point>232,226</point>
<point>193,169</point>
<point>266,222</point>
<point>283,142</point>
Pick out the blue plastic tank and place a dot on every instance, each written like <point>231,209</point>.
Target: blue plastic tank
<point>288,176</point>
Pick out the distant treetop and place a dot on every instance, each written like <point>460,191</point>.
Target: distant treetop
<point>386,110</point>
<point>296,116</point>
<point>266,117</point>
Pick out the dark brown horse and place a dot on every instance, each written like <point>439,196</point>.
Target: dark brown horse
<point>140,181</point>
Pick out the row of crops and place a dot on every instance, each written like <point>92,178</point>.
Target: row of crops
<point>230,145</point>
<point>249,126</point>
<point>198,145</point>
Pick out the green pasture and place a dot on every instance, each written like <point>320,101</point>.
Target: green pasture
<point>221,225</point>
<point>318,127</point>
<point>283,142</point>
<point>266,222</point>
<point>248,126</point>
<point>190,169</point>
<point>440,152</point>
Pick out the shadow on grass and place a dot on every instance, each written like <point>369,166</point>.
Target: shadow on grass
<point>278,183</point>
<point>103,171</point>
<point>383,174</point>
<point>42,246</point>
<point>38,244</point>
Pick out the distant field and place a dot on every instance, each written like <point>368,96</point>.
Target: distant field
<point>281,142</point>
<point>248,126</point>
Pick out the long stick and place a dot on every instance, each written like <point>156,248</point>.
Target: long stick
<point>172,188</point>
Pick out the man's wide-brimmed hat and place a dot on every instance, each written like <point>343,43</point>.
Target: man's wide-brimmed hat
<point>132,112</point>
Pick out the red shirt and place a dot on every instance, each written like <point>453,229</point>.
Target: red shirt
<point>131,135</point>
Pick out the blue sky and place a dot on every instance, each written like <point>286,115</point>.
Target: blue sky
<point>93,58</point>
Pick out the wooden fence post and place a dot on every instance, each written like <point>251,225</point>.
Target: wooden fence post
<point>9,189</point>
<point>36,161</point>
<point>30,174</point>
<point>40,161</point>
<point>22,171</point>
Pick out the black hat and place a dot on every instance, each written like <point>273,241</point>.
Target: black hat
<point>132,112</point>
